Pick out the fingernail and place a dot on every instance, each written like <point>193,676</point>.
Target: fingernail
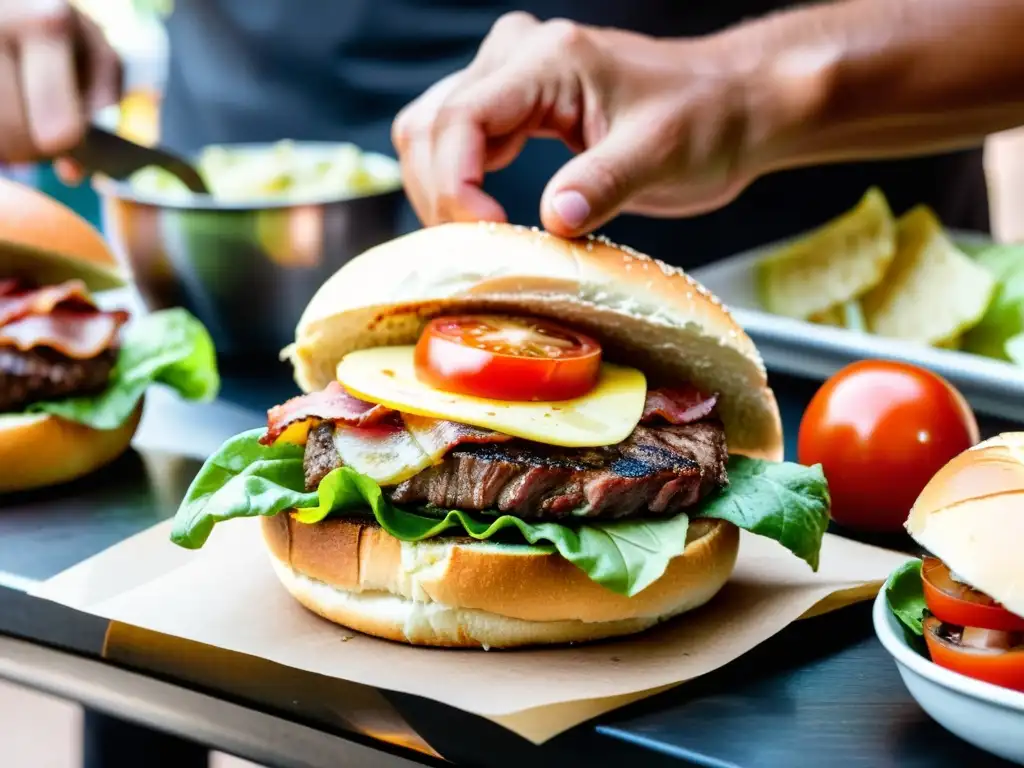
<point>572,208</point>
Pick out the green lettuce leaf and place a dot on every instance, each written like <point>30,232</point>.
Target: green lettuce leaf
<point>905,596</point>
<point>242,479</point>
<point>780,500</point>
<point>973,247</point>
<point>1000,333</point>
<point>246,479</point>
<point>169,347</point>
<point>786,502</point>
<point>624,556</point>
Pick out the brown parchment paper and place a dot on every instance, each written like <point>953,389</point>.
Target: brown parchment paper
<point>226,596</point>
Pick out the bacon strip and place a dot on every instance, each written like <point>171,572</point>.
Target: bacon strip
<point>18,302</point>
<point>77,335</point>
<point>330,404</point>
<point>679,405</point>
<point>62,317</point>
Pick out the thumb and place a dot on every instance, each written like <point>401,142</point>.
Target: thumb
<point>594,186</point>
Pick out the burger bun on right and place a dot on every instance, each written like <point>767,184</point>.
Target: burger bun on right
<point>970,517</point>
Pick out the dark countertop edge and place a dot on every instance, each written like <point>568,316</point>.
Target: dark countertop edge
<point>139,696</point>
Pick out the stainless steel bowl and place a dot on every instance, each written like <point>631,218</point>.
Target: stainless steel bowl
<point>247,270</point>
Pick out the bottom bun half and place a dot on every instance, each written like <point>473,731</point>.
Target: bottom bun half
<point>470,594</point>
<point>38,450</point>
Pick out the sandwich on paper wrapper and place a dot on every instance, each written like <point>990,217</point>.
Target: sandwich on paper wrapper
<point>73,375</point>
<point>509,439</point>
<point>963,604</point>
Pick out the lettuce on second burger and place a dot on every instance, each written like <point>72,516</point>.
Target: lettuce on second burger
<point>510,439</point>
<point>72,375</point>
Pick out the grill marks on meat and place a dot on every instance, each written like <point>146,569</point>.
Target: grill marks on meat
<point>44,374</point>
<point>656,470</point>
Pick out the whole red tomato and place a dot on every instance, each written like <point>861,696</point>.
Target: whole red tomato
<point>881,430</point>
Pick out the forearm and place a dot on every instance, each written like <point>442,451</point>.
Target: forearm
<point>878,78</point>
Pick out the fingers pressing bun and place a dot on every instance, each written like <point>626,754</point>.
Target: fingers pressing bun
<point>38,450</point>
<point>647,314</point>
<point>970,516</point>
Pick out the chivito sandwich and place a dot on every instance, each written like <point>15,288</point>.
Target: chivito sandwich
<point>72,375</point>
<point>966,598</point>
<point>511,439</point>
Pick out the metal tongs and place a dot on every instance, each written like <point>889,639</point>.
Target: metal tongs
<point>103,152</point>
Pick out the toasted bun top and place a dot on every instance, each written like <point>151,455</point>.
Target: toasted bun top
<point>646,313</point>
<point>970,516</point>
<point>42,239</point>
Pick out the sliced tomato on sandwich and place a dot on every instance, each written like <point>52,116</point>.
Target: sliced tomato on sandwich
<point>957,649</point>
<point>507,358</point>
<point>970,633</point>
<point>954,602</point>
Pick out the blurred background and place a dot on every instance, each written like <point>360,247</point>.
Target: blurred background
<point>286,214</point>
<point>136,29</point>
<point>182,238</point>
<point>290,218</point>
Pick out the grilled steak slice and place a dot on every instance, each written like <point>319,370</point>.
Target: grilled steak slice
<point>321,457</point>
<point>44,374</point>
<point>655,471</point>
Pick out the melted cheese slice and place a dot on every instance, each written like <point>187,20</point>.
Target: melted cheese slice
<point>604,416</point>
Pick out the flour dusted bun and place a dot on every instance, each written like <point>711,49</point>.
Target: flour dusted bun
<point>469,594</point>
<point>970,516</point>
<point>647,314</point>
<point>39,450</point>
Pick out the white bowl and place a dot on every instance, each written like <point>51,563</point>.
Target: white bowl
<point>987,716</point>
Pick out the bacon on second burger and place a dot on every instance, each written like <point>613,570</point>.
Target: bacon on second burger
<point>60,317</point>
<point>18,300</point>
<point>54,342</point>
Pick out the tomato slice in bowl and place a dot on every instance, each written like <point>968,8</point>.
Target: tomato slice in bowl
<point>955,603</point>
<point>1004,668</point>
<point>507,358</point>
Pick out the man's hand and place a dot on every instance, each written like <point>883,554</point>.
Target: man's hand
<point>660,126</point>
<point>679,127</point>
<point>56,69</point>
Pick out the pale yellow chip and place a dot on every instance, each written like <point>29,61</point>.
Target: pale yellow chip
<point>933,292</point>
<point>605,416</point>
<point>834,264</point>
